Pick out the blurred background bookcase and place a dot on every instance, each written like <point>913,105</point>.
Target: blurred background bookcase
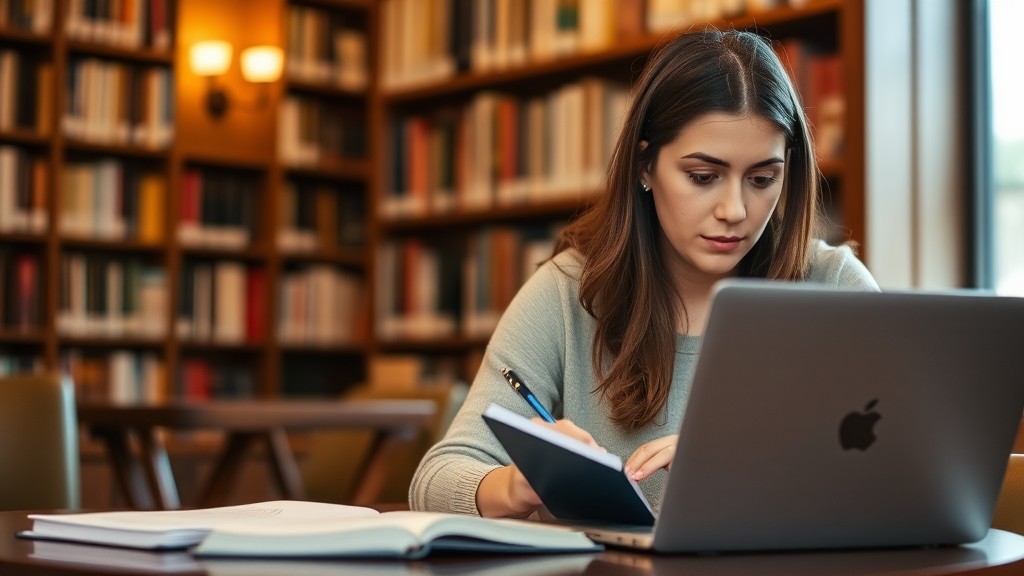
<point>498,119</point>
<point>343,213</point>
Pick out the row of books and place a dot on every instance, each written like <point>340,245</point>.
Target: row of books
<point>426,41</point>
<point>24,185</point>
<point>312,132</point>
<point>431,291</point>
<point>317,217</point>
<point>108,297</point>
<point>112,199</point>
<point>485,35</point>
<point>200,379</point>
<point>26,91</point>
<point>818,77</point>
<point>34,16</point>
<point>501,149</point>
<point>320,305</point>
<point>20,290</point>
<point>223,302</point>
<point>117,103</point>
<point>324,48</point>
<point>13,364</point>
<point>119,376</point>
<point>219,208</point>
<point>124,23</point>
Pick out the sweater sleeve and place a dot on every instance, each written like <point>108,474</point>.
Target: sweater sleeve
<point>530,339</point>
<point>839,267</point>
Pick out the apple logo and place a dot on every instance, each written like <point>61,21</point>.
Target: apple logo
<point>857,428</point>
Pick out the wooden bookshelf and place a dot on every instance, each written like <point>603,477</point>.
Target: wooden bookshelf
<point>247,141</point>
<point>825,26</point>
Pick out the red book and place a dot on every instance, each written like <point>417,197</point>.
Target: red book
<point>27,315</point>
<point>256,305</point>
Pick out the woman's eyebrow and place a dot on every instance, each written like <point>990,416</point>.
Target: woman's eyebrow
<point>719,162</point>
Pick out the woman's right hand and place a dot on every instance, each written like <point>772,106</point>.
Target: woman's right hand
<point>504,492</point>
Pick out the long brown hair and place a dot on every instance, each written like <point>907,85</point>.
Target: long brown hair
<point>625,284</point>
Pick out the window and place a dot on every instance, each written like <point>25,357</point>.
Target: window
<point>1003,231</point>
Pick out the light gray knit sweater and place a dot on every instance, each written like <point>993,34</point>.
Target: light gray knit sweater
<point>545,335</point>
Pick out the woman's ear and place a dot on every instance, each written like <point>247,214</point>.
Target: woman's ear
<point>645,176</point>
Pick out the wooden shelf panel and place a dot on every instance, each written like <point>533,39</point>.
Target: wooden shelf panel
<point>334,91</point>
<point>24,138</point>
<point>333,4</point>
<point>22,238</point>
<point>143,55</point>
<point>215,346</point>
<point>442,345</point>
<point>494,215</point>
<point>213,253</point>
<point>324,349</point>
<point>253,165</point>
<point>132,246</point>
<point>100,341</point>
<point>116,150</point>
<point>351,257</point>
<point>16,336</point>
<point>619,52</point>
<point>13,35</point>
<point>334,170</point>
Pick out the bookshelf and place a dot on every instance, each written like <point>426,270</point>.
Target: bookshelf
<point>478,91</point>
<point>351,183</point>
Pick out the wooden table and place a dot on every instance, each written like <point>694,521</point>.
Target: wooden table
<point>145,477</point>
<point>999,554</point>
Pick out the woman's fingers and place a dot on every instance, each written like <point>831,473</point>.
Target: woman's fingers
<point>651,456</point>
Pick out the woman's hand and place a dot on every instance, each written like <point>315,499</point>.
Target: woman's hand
<point>652,456</point>
<point>504,492</point>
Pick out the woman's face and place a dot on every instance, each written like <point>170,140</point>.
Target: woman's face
<point>715,187</point>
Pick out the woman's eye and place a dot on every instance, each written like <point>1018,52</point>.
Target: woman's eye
<point>702,178</point>
<point>763,181</point>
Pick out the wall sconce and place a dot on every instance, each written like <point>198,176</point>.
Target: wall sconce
<point>212,58</point>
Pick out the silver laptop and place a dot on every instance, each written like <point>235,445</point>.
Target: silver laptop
<point>832,419</point>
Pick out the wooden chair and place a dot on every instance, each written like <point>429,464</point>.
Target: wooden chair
<point>1010,506</point>
<point>39,462</point>
<point>330,464</point>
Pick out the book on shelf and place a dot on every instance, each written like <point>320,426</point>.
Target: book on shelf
<point>35,16</point>
<point>108,296</point>
<point>20,290</point>
<point>306,529</point>
<point>24,191</point>
<point>318,217</point>
<point>313,132</point>
<point>319,305</point>
<point>223,302</point>
<point>119,376</point>
<point>201,380</point>
<point>128,24</point>
<point>219,208</point>
<point>325,47</point>
<point>570,475</point>
<point>112,199</point>
<point>502,150</point>
<point>14,364</point>
<point>26,90</point>
<point>818,77</point>
<point>116,103</point>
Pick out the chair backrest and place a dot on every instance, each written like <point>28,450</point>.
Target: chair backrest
<point>39,459</point>
<point>330,465</point>
<point>1010,506</point>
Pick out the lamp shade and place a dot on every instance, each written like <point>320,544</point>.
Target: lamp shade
<point>210,58</point>
<point>262,63</point>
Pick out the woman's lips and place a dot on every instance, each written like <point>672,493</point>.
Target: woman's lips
<point>722,243</point>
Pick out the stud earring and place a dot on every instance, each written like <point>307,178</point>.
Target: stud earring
<point>646,187</point>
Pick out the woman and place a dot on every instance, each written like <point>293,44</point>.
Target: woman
<point>713,176</point>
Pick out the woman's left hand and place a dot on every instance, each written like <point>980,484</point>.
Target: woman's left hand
<point>652,456</point>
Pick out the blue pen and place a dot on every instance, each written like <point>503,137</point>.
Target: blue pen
<point>518,385</point>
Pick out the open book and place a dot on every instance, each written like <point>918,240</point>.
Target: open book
<point>576,482</point>
<point>288,528</point>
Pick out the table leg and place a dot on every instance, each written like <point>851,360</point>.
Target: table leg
<point>157,466</point>
<point>283,465</point>
<point>226,469</point>
<point>126,468</point>
<point>386,448</point>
